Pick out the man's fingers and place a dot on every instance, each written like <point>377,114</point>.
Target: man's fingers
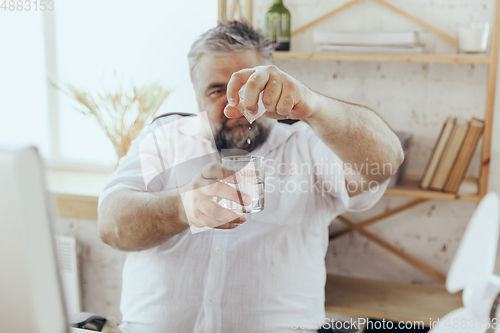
<point>215,212</point>
<point>232,112</point>
<point>274,115</point>
<point>238,79</point>
<point>271,94</point>
<point>230,225</point>
<point>217,171</point>
<point>228,192</point>
<point>255,84</point>
<point>245,172</point>
<point>285,103</point>
<point>234,224</point>
<point>201,220</point>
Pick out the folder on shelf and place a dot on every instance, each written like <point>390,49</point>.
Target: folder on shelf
<point>464,156</point>
<point>450,154</point>
<point>437,152</point>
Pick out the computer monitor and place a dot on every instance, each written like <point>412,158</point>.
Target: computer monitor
<point>31,297</point>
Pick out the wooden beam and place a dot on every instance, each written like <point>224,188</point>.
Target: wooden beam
<point>412,18</point>
<point>415,263</point>
<point>417,58</point>
<point>379,217</point>
<point>249,11</point>
<point>76,206</point>
<point>490,103</point>
<point>222,11</point>
<point>396,10</point>
<point>232,10</point>
<point>324,17</point>
<point>240,14</point>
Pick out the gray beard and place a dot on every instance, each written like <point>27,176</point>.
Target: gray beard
<point>228,138</point>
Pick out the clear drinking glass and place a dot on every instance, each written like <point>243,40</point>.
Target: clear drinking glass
<point>251,170</point>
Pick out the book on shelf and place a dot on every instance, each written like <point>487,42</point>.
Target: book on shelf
<point>368,49</point>
<point>464,158</point>
<point>365,37</point>
<point>436,154</point>
<point>450,154</point>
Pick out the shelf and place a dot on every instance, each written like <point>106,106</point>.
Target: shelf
<point>76,206</point>
<point>76,193</point>
<point>409,188</point>
<point>418,58</point>
<point>388,300</point>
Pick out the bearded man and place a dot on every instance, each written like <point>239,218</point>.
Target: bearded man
<point>260,272</point>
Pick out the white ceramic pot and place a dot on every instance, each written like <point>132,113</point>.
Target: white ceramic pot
<point>473,38</point>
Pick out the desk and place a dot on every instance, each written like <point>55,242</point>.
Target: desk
<point>77,192</point>
<point>388,300</point>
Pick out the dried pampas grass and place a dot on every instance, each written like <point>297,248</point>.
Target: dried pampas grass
<point>123,113</point>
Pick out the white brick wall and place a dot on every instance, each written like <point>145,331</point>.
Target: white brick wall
<point>410,97</point>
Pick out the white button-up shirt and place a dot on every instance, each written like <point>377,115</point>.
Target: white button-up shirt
<point>267,275</point>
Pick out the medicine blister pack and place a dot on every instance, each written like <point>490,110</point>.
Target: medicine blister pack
<point>250,116</point>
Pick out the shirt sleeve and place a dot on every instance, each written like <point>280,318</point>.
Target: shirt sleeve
<point>329,170</point>
<point>143,167</point>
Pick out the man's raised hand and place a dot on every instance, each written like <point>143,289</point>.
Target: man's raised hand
<point>283,96</point>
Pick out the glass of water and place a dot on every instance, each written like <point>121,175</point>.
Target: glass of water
<point>251,170</point>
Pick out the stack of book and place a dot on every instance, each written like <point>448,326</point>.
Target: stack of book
<point>395,42</point>
<point>452,154</point>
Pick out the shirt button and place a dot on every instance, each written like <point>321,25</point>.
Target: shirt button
<point>210,300</point>
<point>218,250</point>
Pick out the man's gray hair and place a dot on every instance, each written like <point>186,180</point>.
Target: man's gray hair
<point>226,37</point>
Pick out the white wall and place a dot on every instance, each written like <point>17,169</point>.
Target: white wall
<point>126,44</point>
<point>412,97</point>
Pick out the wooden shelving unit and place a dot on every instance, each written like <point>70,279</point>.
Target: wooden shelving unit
<point>409,188</point>
<point>419,58</point>
<point>472,190</point>
<point>76,193</point>
<point>475,188</point>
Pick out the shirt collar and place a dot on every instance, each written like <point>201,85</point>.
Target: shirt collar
<point>196,126</point>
